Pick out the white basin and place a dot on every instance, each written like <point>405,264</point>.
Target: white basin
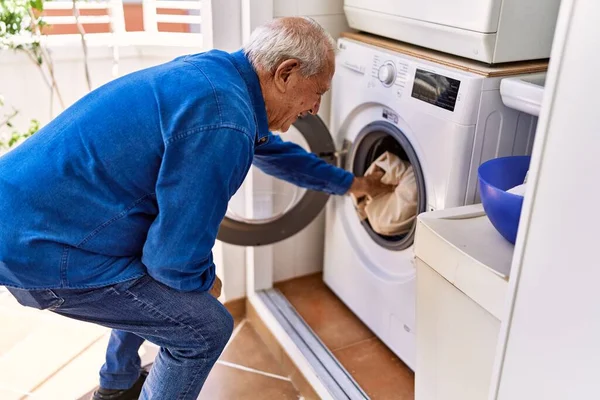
<point>524,93</point>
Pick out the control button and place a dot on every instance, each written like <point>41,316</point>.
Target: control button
<point>387,74</point>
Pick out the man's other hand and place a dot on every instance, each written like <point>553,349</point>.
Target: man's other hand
<point>216,288</point>
<point>370,185</point>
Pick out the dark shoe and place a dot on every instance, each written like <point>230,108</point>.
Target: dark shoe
<point>133,393</point>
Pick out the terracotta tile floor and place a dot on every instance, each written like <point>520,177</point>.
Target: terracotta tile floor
<point>377,370</point>
<point>45,356</point>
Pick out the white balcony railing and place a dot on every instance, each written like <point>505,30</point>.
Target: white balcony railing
<point>190,15</point>
<point>152,17</point>
<point>114,17</point>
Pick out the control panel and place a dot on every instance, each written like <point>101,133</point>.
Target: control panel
<point>430,87</point>
<point>403,82</point>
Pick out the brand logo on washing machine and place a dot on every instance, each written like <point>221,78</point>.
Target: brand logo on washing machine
<point>390,115</point>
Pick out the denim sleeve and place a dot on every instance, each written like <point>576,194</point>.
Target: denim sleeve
<point>198,175</point>
<point>291,163</point>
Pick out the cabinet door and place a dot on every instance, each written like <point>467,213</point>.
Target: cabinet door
<point>456,341</point>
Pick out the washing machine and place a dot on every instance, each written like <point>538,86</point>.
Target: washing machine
<point>445,120</point>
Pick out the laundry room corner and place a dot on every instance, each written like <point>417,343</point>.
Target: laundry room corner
<point>299,199</point>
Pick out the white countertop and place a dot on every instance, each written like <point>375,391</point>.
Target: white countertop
<point>462,245</point>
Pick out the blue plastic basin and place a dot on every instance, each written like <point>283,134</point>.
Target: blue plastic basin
<point>496,176</point>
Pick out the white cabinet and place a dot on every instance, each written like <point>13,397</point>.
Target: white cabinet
<point>552,333</point>
<point>491,31</point>
<point>456,341</point>
<point>462,271</point>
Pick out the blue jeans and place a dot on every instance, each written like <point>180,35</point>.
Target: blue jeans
<point>191,328</point>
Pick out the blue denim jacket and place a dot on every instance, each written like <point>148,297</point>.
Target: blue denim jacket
<point>135,177</point>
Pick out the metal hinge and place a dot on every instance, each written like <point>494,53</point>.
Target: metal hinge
<point>338,157</point>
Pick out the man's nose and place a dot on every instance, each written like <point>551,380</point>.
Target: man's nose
<point>315,109</point>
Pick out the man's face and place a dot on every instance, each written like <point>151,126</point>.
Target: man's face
<point>295,95</point>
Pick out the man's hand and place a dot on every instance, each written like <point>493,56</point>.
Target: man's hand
<point>370,185</point>
<point>215,290</point>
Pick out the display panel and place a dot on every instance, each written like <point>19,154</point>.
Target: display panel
<point>435,89</point>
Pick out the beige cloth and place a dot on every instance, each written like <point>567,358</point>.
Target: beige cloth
<point>391,213</point>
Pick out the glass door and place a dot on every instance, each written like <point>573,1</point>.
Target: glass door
<point>266,210</point>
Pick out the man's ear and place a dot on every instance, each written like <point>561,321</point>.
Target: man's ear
<point>283,73</point>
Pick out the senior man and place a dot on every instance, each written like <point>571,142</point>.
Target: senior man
<point>110,212</point>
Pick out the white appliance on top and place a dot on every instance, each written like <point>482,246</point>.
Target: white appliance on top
<point>491,31</point>
<point>446,122</point>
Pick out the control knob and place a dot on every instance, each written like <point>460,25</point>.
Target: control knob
<point>387,74</point>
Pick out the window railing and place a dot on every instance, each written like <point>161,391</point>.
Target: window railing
<point>161,22</point>
<point>114,17</point>
<point>152,17</point>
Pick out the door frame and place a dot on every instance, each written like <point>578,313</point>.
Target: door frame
<point>258,261</point>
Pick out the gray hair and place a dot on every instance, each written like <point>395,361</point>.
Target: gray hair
<point>299,38</point>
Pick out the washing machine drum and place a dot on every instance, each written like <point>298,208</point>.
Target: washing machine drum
<point>374,140</point>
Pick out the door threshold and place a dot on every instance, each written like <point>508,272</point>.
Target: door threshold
<point>319,367</point>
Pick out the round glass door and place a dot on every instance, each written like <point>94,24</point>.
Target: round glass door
<point>372,141</point>
<point>272,198</point>
<point>265,209</point>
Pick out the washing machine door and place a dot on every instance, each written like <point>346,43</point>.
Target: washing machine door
<point>272,210</point>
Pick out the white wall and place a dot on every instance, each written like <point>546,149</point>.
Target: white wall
<point>553,333</point>
<point>303,253</point>
<point>328,13</point>
<point>23,87</point>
